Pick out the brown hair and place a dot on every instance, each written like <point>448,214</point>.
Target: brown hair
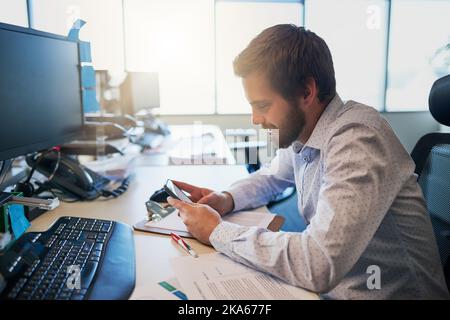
<point>289,55</point>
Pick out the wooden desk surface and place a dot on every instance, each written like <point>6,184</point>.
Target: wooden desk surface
<point>153,251</point>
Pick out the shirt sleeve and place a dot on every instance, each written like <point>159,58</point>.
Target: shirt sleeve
<point>262,186</point>
<point>361,180</point>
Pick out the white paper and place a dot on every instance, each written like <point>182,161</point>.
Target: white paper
<point>243,218</point>
<point>170,222</point>
<point>250,218</point>
<point>214,276</point>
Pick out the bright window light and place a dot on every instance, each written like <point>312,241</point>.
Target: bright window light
<point>419,52</point>
<point>356,33</point>
<point>237,23</point>
<point>176,39</point>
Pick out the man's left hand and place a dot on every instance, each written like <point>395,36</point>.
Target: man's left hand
<point>200,219</point>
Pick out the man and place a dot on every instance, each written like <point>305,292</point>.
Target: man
<point>355,182</point>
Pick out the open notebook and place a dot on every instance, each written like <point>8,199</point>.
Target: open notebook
<point>173,223</point>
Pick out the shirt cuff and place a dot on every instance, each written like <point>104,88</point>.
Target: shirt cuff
<point>223,234</point>
<point>240,200</point>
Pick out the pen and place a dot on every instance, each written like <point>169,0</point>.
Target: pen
<point>183,244</point>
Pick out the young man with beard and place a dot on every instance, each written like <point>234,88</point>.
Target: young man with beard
<point>355,182</point>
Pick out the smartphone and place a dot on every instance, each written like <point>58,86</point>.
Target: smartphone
<point>176,192</point>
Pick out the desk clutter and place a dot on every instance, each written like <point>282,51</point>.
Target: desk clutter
<point>15,215</point>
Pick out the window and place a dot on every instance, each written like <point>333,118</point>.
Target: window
<point>14,12</point>
<point>104,28</point>
<point>238,22</point>
<point>386,53</point>
<point>356,33</point>
<point>419,52</point>
<point>176,39</point>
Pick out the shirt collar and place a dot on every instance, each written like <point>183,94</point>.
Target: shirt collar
<point>316,140</point>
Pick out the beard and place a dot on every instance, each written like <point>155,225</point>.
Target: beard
<point>291,127</point>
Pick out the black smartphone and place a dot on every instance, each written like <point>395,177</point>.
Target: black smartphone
<point>176,192</point>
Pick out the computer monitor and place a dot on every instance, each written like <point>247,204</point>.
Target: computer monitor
<point>140,91</point>
<point>40,91</point>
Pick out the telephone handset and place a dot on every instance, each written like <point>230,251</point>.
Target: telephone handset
<point>69,175</point>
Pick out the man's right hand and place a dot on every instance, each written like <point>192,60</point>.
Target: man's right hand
<point>222,202</point>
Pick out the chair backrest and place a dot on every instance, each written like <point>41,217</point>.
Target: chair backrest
<point>432,158</point>
<point>435,183</point>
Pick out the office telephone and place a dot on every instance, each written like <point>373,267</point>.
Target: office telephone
<point>69,175</point>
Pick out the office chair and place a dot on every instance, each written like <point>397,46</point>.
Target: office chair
<point>285,203</point>
<point>432,158</point>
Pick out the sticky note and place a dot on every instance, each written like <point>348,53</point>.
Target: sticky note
<point>19,222</point>
<point>167,286</point>
<point>90,103</point>
<point>87,77</point>
<point>85,51</point>
<point>75,30</point>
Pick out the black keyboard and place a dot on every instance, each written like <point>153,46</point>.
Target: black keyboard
<point>76,259</point>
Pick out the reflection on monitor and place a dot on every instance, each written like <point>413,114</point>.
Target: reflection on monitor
<point>40,94</point>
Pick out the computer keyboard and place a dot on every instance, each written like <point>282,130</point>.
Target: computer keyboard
<point>76,259</point>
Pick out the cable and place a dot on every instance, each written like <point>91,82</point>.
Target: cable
<point>58,160</point>
<point>27,187</point>
<point>118,191</point>
<point>39,159</point>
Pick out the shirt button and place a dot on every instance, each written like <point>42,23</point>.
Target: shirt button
<point>297,147</point>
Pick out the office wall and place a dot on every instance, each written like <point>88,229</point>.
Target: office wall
<point>410,126</point>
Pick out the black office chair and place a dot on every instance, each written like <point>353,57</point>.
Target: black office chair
<point>432,158</point>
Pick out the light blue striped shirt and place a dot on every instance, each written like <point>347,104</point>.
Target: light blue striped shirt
<point>368,234</point>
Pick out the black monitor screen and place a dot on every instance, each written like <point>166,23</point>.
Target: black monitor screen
<point>40,95</point>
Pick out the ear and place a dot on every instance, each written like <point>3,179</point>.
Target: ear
<point>310,92</point>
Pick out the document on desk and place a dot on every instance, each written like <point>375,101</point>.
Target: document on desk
<point>216,277</point>
<point>243,218</point>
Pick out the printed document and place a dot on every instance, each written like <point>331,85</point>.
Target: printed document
<point>215,276</point>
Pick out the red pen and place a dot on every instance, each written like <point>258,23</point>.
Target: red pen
<point>183,244</point>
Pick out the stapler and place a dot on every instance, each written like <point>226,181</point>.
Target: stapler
<point>156,211</point>
<point>159,196</point>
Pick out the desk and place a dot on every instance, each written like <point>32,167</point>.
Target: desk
<point>153,251</point>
